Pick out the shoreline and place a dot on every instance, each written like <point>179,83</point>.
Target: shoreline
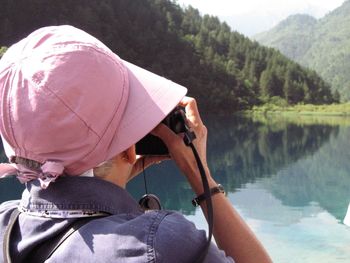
<point>332,110</point>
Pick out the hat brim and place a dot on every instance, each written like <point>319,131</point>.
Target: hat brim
<point>151,99</point>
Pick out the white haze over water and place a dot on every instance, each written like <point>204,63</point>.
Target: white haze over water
<point>254,16</point>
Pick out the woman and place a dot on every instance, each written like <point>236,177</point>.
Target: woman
<point>71,113</point>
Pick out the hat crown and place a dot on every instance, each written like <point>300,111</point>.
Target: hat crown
<point>62,90</point>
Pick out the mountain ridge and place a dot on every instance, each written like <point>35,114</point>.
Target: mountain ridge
<point>295,44</point>
<point>322,45</point>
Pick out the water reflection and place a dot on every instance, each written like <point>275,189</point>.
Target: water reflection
<point>289,179</point>
<point>347,217</point>
<point>305,164</point>
<point>304,234</point>
<point>253,149</point>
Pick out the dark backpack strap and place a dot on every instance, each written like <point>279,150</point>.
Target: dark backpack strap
<point>7,237</point>
<point>44,250</point>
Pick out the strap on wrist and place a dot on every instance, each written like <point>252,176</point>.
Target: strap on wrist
<point>215,190</point>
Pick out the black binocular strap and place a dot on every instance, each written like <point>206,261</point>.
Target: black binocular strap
<point>6,242</point>
<point>43,251</point>
<point>203,253</point>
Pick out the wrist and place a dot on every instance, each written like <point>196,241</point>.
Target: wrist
<point>204,196</point>
<point>197,184</point>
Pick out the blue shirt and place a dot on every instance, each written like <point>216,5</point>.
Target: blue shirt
<point>127,234</point>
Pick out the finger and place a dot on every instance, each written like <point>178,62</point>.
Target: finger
<point>165,133</point>
<point>144,162</point>
<point>150,160</point>
<point>191,109</point>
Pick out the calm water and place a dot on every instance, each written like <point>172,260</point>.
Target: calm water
<point>289,178</point>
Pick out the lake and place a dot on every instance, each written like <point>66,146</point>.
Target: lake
<point>289,178</point>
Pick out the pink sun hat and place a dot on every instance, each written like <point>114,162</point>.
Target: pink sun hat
<point>70,103</point>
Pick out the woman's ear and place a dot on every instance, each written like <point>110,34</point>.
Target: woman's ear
<point>130,155</point>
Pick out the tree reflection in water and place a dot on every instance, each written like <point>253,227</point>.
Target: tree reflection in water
<point>243,150</point>
<point>307,161</point>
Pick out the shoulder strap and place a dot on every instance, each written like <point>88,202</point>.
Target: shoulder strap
<point>6,242</point>
<point>43,251</point>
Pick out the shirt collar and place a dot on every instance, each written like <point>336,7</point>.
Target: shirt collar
<point>78,193</point>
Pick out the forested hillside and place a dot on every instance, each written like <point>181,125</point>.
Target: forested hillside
<point>323,45</point>
<point>223,69</point>
<point>292,36</point>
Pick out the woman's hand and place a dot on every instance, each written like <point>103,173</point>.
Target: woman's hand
<point>231,233</point>
<point>182,154</point>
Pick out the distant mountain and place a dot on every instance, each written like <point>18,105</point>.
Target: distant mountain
<point>322,45</point>
<point>293,36</point>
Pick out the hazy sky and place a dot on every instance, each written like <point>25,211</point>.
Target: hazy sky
<point>254,16</point>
